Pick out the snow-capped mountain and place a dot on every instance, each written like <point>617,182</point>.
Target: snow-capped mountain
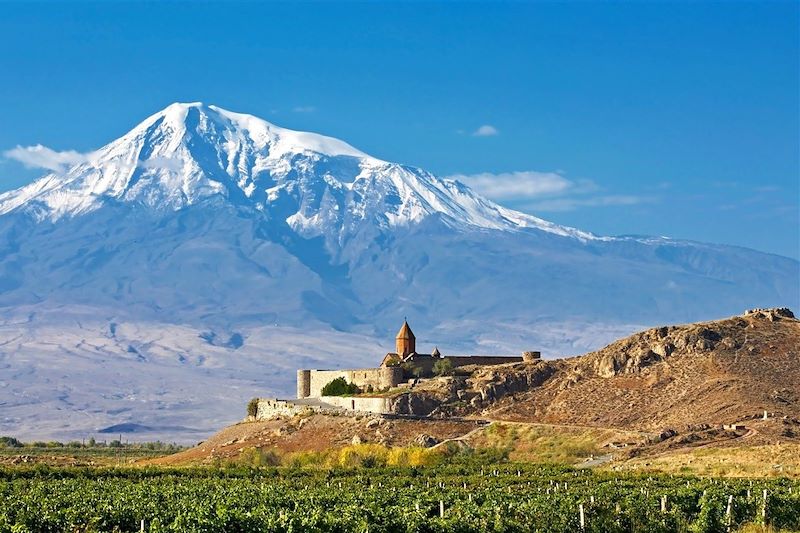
<point>207,249</point>
<point>188,153</point>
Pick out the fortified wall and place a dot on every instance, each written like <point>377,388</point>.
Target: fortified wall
<point>311,382</point>
<point>426,363</point>
<point>269,408</point>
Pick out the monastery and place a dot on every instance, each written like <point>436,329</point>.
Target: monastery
<point>400,369</point>
<point>397,367</point>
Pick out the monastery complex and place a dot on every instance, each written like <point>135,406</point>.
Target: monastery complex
<point>400,370</point>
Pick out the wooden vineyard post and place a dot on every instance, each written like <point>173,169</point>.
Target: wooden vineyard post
<point>582,517</point>
<point>441,509</point>
<point>664,503</point>
<point>728,516</point>
<point>141,526</point>
<point>764,509</point>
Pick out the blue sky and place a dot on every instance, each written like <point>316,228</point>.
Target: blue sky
<point>676,119</point>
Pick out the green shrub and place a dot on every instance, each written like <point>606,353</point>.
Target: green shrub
<point>256,457</point>
<point>443,367</point>
<point>9,442</point>
<point>252,407</point>
<point>339,387</point>
<point>410,369</point>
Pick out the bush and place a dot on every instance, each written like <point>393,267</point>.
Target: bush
<point>10,442</point>
<point>252,407</point>
<point>410,369</point>
<point>443,367</point>
<point>339,387</point>
<point>256,457</point>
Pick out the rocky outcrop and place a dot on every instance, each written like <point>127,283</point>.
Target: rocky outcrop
<point>493,384</point>
<point>415,404</point>
<point>642,350</point>
<point>772,315</point>
<point>425,441</point>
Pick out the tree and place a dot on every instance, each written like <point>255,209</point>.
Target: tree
<point>443,367</point>
<point>339,387</point>
<point>9,442</point>
<point>410,369</point>
<point>252,407</point>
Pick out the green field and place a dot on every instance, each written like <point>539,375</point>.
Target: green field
<point>76,453</point>
<point>506,497</point>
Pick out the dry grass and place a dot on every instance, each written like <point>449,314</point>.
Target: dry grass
<point>760,461</point>
<point>544,443</point>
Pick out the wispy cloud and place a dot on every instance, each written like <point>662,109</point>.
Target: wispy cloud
<point>42,157</point>
<point>39,156</point>
<point>304,109</point>
<point>544,191</point>
<point>487,130</point>
<point>527,184</point>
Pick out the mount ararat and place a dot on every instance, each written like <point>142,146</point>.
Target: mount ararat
<point>199,259</point>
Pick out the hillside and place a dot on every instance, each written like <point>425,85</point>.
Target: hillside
<point>660,395</point>
<point>677,376</point>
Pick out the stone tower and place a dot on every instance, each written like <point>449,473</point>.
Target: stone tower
<point>405,342</point>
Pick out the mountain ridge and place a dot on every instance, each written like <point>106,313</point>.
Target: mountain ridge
<point>239,156</point>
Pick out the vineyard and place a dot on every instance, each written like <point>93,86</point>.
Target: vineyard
<point>449,498</point>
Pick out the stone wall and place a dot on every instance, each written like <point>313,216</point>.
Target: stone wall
<point>377,378</point>
<point>487,360</point>
<point>426,363</point>
<point>269,408</point>
<point>273,408</point>
<point>360,404</point>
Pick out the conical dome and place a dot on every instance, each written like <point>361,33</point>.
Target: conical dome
<point>405,332</point>
<point>405,341</point>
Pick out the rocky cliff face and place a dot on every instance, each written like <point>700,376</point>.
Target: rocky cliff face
<point>633,354</point>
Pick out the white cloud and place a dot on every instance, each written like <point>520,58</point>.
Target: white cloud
<point>530,190</point>
<point>39,156</point>
<point>304,109</point>
<point>527,184</point>
<point>487,130</point>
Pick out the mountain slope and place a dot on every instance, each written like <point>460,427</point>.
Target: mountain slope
<point>221,225</point>
<point>713,373</point>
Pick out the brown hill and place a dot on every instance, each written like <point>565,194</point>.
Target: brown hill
<point>707,373</point>
<point>659,393</point>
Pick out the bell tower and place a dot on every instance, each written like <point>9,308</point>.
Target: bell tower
<point>405,342</point>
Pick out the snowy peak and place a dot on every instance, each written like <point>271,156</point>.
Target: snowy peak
<point>318,185</point>
<point>203,119</point>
